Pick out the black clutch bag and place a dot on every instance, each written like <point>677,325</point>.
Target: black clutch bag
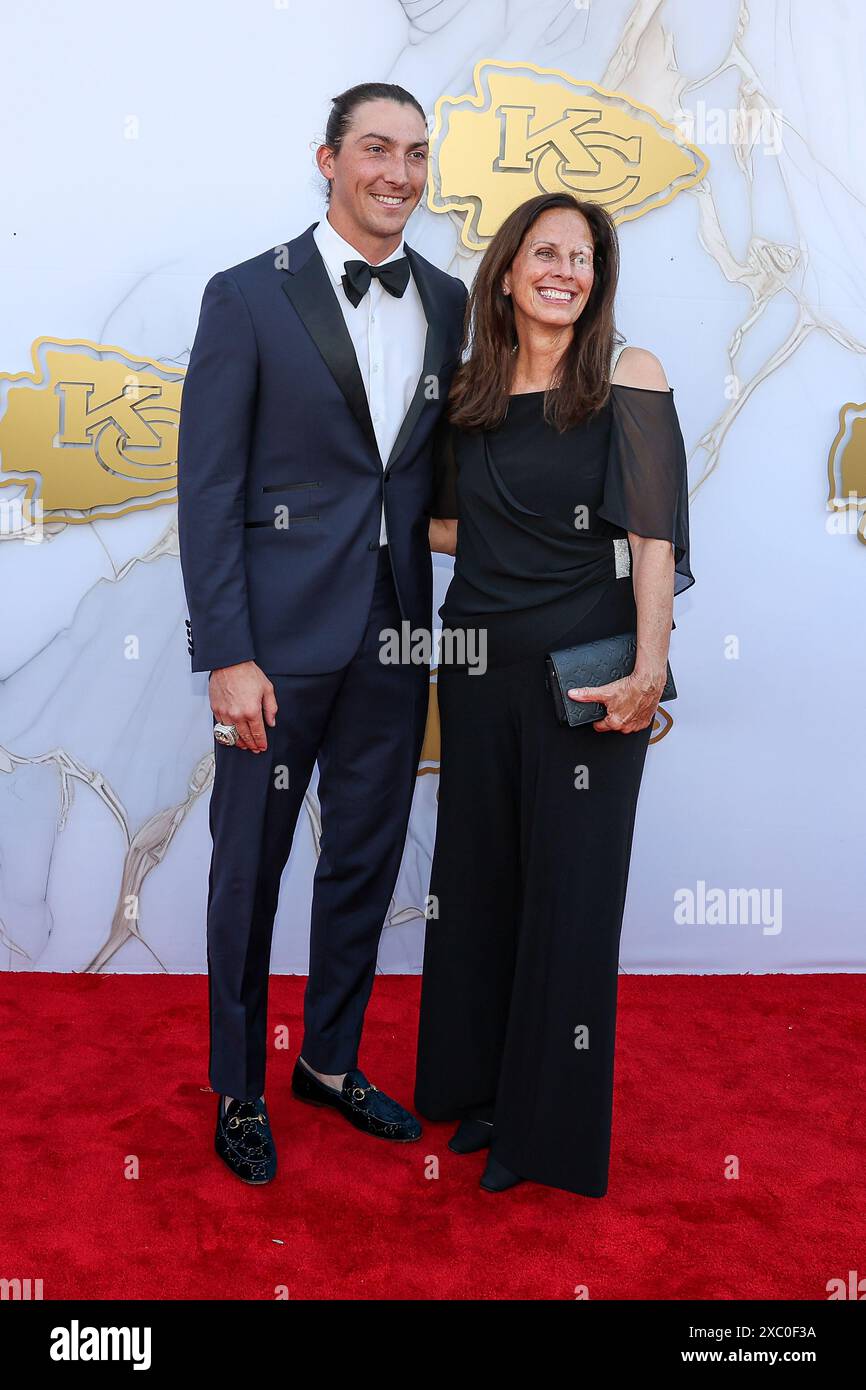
<point>591,664</point>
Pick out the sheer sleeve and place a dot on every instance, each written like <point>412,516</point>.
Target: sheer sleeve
<point>646,483</point>
<point>444,504</point>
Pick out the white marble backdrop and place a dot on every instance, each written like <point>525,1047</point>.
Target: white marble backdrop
<point>749,288</point>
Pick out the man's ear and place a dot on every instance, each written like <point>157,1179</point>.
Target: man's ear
<point>325,161</point>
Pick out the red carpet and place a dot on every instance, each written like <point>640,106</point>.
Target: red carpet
<point>771,1069</point>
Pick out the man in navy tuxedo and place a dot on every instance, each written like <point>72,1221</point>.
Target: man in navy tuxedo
<point>317,375</point>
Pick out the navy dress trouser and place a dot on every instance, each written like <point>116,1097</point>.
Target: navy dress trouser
<point>364,725</point>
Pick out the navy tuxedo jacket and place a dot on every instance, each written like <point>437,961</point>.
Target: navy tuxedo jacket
<point>274,420</point>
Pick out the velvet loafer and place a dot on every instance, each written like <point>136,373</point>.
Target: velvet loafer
<point>359,1102</point>
<point>244,1141</point>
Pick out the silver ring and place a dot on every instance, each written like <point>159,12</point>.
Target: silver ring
<point>225,733</point>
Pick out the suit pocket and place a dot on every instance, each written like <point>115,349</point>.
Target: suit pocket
<point>297,509</point>
<point>285,522</point>
<point>288,487</point>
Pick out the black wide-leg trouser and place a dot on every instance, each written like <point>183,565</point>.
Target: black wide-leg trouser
<point>364,725</point>
<point>518,1009</point>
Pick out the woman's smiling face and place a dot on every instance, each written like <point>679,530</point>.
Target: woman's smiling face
<point>551,277</point>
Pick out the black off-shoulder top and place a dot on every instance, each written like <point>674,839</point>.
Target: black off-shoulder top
<point>544,516</point>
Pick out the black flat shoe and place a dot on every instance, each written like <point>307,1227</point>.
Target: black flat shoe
<point>470,1136</point>
<point>244,1141</point>
<point>497,1178</point>
<point>359,1102</point>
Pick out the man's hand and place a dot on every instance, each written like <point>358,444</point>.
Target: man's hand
<point>239,695</point>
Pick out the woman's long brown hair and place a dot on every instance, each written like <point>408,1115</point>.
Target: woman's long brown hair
<point>581,382</point>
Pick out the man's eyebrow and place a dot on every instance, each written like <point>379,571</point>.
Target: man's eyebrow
<point>389,140</point>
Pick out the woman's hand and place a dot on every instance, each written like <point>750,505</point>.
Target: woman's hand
<point>443,537</point>
<point>631,703</point>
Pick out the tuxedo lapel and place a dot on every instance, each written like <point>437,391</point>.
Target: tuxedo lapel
<point>308,286</point>
<point>434,349</point>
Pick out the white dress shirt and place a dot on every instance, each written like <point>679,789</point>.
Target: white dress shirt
<point>389,336</point>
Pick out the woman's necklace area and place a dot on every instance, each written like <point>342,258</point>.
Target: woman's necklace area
<point>525,390</point>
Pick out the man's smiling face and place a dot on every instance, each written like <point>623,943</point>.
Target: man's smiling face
<point>379,175</point>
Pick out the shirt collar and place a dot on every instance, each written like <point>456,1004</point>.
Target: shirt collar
<point>336,250</point>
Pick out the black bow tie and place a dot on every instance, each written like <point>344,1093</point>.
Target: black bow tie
<point>393,275</point>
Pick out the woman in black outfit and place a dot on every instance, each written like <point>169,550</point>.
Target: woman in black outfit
<point>571,495</point>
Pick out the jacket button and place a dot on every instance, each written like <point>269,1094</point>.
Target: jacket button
<point>374,545</point>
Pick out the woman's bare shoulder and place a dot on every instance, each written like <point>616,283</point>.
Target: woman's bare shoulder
<point>638,367</point>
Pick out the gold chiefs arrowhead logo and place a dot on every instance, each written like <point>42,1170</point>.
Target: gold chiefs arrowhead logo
<point>527,130</point>
<point>847,466</point>
<point>91,432</point>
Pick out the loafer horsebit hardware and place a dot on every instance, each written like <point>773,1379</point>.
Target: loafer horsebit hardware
<point>235,1122</point>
